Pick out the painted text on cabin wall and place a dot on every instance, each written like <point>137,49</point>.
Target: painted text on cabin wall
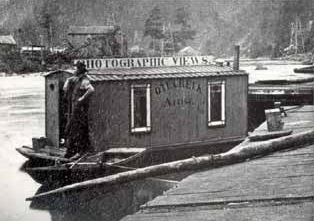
<point>180,98</point>
<point>146,62</point>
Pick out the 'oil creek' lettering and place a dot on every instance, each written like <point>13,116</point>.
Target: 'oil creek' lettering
<point>178,83</point>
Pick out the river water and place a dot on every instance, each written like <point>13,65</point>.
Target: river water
<point>21,118</point>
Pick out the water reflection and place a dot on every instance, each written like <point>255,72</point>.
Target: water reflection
<point>100,203</point>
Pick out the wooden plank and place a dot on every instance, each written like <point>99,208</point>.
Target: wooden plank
<point>124,150</point>
<point>305,108</point>
<point>52,111</point>
<point>253,180</point>
<point>292,212</point>
<point>167,128</point>
<point>53,151</point>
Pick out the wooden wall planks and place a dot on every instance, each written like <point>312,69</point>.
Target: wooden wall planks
<point>179,114</point>
<point>52,111</point>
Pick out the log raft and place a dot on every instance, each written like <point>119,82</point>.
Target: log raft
<point>246,150</point>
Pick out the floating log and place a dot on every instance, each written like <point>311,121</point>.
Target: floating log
<point>238,154</point>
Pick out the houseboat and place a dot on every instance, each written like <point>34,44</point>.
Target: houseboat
<point>159,109</point>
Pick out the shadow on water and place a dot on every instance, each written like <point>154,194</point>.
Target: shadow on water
<point>101,203</point>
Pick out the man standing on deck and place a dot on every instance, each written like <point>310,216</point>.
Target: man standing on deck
<point>78,90</point>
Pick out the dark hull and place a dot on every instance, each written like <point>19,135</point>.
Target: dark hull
<point>64,174</point>
<point>306,70</point>
<point>60,175</point>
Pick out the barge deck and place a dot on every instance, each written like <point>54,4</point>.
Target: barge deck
<point>276,187</point>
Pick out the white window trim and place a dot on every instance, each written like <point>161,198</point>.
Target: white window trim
<point>148,109</point>
<point>223,102</point>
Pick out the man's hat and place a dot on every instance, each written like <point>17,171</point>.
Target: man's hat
<point>81,66</point>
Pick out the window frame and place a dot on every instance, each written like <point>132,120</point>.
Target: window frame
<point>222,122</point>
<point>147,128</point>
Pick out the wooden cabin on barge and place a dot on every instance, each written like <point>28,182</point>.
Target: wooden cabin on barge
<point>181,104</point>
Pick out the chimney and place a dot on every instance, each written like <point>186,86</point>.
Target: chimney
<point>236,58</point>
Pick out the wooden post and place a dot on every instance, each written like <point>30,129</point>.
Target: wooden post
<point>236,58</point>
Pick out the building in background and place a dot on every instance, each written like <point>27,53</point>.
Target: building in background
<point>7,44</point>
<point>97,41</point>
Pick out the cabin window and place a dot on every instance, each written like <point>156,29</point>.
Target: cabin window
<point>140,108</point>
<point>216,103</point>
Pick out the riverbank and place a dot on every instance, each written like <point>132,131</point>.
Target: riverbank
<point>293,59</point>
<point>243,62</point>
<point>267,61</point>
<point>31,74</point>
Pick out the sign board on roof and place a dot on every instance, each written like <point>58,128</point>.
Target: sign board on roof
<point>146,62</point>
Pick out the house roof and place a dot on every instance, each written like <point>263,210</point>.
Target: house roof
<point>92,30</point>
<point>160,73</point>
<point>7,40</point>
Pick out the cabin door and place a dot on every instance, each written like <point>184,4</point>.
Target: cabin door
<point>52,111</point>
<point>56,112</point>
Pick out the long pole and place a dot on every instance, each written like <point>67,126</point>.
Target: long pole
<point>238,154</point>
<point>236,58</point>
<point>42,50</point>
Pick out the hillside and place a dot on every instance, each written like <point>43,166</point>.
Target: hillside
<point>261,27</point>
